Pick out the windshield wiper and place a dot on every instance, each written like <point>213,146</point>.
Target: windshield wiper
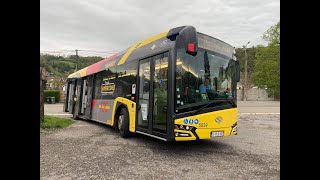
<point>229,100</point>
<point>194,113</point>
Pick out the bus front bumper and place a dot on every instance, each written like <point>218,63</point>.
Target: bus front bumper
<point>207,125</point>
<point>196,134</point>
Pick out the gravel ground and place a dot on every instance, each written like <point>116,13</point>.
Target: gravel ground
<point>88,150</point>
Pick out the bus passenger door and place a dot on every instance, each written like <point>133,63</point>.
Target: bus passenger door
<point>72,88</point>
<point>144,96</point>
<point>152,99</point>
<point>84,96</point>
<point>89,97</point>
<point>67,99</point>
<point>77,95</point>
<point>160,96</point>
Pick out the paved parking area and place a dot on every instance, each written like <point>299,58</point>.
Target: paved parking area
<point>88,150</point>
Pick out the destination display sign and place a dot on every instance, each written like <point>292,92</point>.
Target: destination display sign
<point>107,88</point>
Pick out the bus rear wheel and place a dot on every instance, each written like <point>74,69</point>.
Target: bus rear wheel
<point>75,117</point>
<point>123,123</point>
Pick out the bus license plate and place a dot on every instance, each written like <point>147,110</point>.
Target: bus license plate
<point>216,133</point>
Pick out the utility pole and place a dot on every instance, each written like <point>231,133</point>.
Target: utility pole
<point>77,59</point>
<point>245,72</point>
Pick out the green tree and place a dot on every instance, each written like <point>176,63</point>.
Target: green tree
<point>61,66</point>
<point>267,66</point>
<point>272,35</point>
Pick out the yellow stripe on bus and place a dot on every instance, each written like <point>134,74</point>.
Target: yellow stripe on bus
<point>80,73</point>
<point>140,44</point>
<point>72,75</point>
<point>125,56</point>
<point>83,72</point>
<point>152,39</point>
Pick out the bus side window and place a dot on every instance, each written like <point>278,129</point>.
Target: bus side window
<point>127,74</point>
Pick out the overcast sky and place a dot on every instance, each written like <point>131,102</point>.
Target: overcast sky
<point>103,26</point>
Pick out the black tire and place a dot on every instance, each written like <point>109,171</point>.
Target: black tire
<point>75,117</point>
<point>123,123</point>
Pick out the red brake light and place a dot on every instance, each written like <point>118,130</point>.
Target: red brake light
<point>191,47</point>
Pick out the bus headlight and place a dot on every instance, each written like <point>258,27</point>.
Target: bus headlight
<point>234,129</point>
<point>182,127</point>
<point>182,134</point>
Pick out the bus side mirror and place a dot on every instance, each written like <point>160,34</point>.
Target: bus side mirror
<point>237,71</point>
<point>190,36</point>
<point>186,37</point>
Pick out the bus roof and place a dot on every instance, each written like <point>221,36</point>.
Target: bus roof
<point>119,58</point>
<point>150,45</point>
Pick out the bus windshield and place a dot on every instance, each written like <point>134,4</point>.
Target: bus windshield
<point>203,78</point>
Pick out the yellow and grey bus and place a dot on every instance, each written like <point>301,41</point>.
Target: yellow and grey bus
<point>178,85</point>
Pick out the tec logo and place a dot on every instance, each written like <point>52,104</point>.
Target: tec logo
<point>191,121</point>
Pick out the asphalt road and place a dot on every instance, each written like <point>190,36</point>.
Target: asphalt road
<point>260,107</point>
<point>88,150</point>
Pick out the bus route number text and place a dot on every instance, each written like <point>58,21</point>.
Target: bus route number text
<point>203,124</point>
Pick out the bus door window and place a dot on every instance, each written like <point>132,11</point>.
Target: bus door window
<point>69,92</point>
<point>144,92</point>
<point>160,84</point>
<point>84,95</point>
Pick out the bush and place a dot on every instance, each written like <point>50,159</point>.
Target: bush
<point>51,93</point>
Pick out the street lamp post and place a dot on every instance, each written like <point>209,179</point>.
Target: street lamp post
<point>245,72</point>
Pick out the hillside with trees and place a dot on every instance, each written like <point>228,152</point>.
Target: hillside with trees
<point>60,66</point>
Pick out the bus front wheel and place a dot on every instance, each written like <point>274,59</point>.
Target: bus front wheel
<point>123,123</point>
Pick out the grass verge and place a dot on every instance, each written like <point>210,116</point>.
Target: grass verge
<point>55,122</point>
